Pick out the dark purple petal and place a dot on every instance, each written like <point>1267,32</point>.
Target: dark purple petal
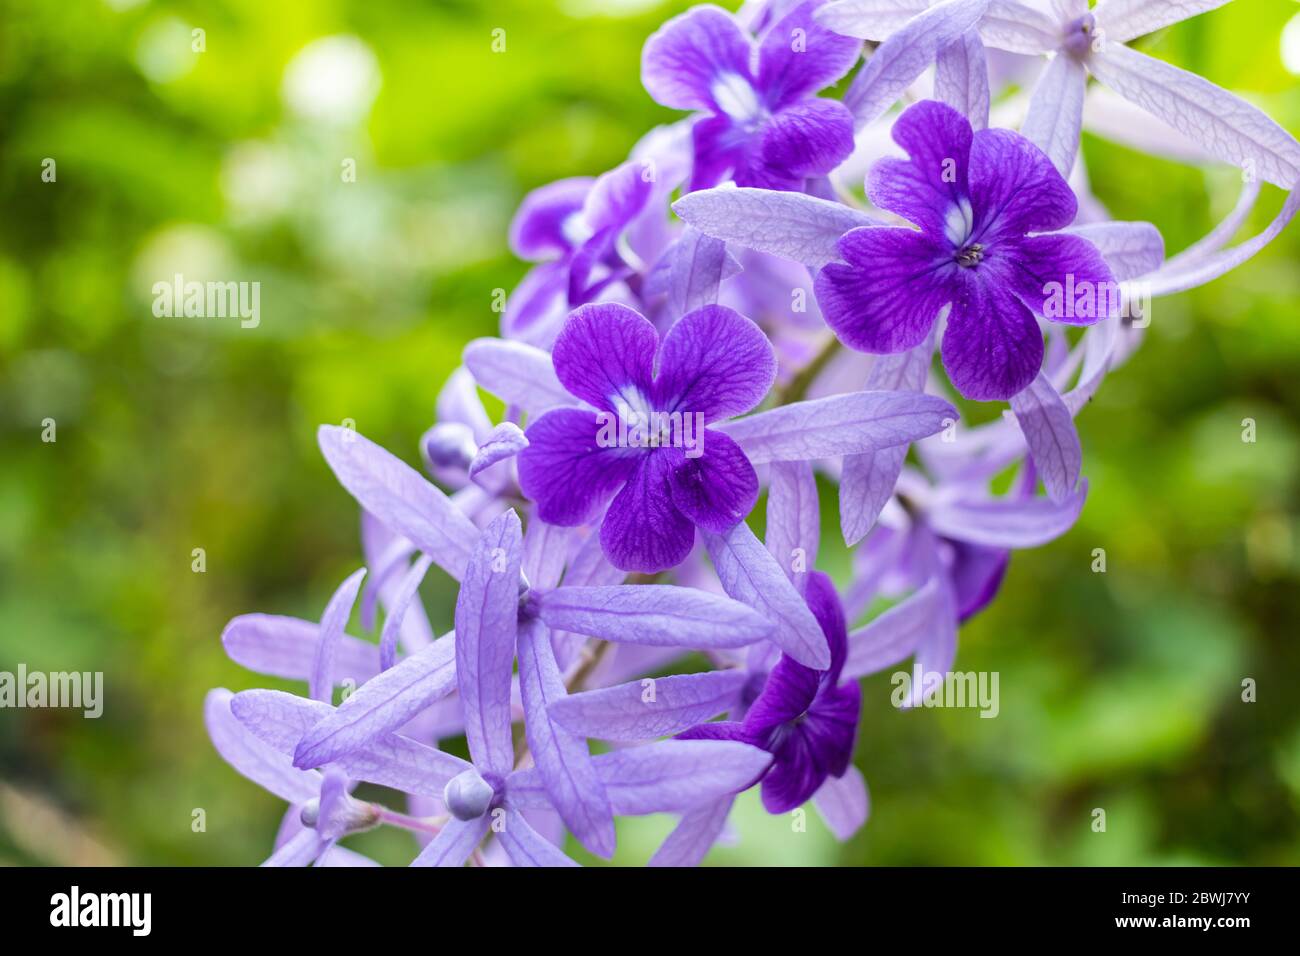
<point>1064,278</point>
<point>806,139</point>
<point>819,746</point>
<point>714,362</point>
<point>888,296</point>
<point>992,347</point>
<point>976,574</point>
<point>717,489</point>
<point>825,604</point>
<point>566,472</point>
<point>541,228</point>
<point>798,57</point>
<point>932,185</point>
<point>643,530</point>
<point>720,149</point>
<point>1015,189</point>
<point>618,196</point>
<point>684,61</point>
<point>605,355</point>
<point>487,613</point>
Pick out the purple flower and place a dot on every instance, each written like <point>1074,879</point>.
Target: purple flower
<point>674,475</point>
<point>805,718</point>
<point>764,125</point>
<point>976,197</point>
<point>572,228</point>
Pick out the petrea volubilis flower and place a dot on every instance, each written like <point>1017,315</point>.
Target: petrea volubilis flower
<point>975,198</point>
<point>712,364</point>
<point>762,122</point>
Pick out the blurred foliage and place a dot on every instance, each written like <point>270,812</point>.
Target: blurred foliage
<point>1120,690</point>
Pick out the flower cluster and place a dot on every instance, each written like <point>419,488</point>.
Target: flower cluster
<point>779,332</point>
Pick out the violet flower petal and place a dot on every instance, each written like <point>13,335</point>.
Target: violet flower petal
<point>561,756</point>
<point>685,59</point>
<point>714,362</point>
<point>644,709</point>
<point>660,615</point>
<point>487,614</point>
<point>251,757</point>
<point>751,575</point>
<point>285,647</point>
<point>851,424</point>
<point>395,493</point>
<point>694,835</point>
<point>332,623</point>
<point>790,225</point>
<point>793,519</point>
<point>1053,441</point>
<point>525,846</point>
<point>454,842</point>
<point>382,704</point>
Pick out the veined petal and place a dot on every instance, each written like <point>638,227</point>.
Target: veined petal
<point>1008,523</point>
<point>560,755</point>
<point>280,646</point>
<point>1131,249</point>
<point>992,347</point>
<point>332,623</point>
<point>1021,27</point>
<point>844,803</point>
<point>391,760</point>
<point>716,489</point>
<point>698,264</point>
<point>793,519</point>
<point>517,373</point>
<point>566,470</point>
<point>1124,20</point>
<point>694,835</point>
<point>931,186</point>
<point>1053,441</point>
<point>961,78</point>
<point>395,493</point>
<point>402,598</point>
<point>806,139</point>
<point>798,56</point>
<point>505,442</point>
<point>525,846</point>
<point>888,296</point>
<point>714,362</point>
<point>643,529</point>
<point>254,759</point>
<point>605,355</point>
<point>851,424</point>
<point>790,225</point>
<point>644,709</point>
<point>1055,114</point>
<point>753,577</point>
<point>661,615</point>
<point>684,61</point>
<point>678,775</point>
<point>1225,124</point>
<point>1064,278</point>
<point>487,614</point>
<point>905,55</point>
<point>1015,189</point>
<point>873,20</point>
<point>454,842</point>
<point>382,705</point>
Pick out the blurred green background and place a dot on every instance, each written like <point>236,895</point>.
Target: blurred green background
<point>1119,690</point>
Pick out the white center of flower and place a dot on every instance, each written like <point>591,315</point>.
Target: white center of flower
<point>575,229</point>
<point>737,97</point>
<point>958,222</point>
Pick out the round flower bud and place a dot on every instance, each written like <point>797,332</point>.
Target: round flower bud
<point>468,796</point>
